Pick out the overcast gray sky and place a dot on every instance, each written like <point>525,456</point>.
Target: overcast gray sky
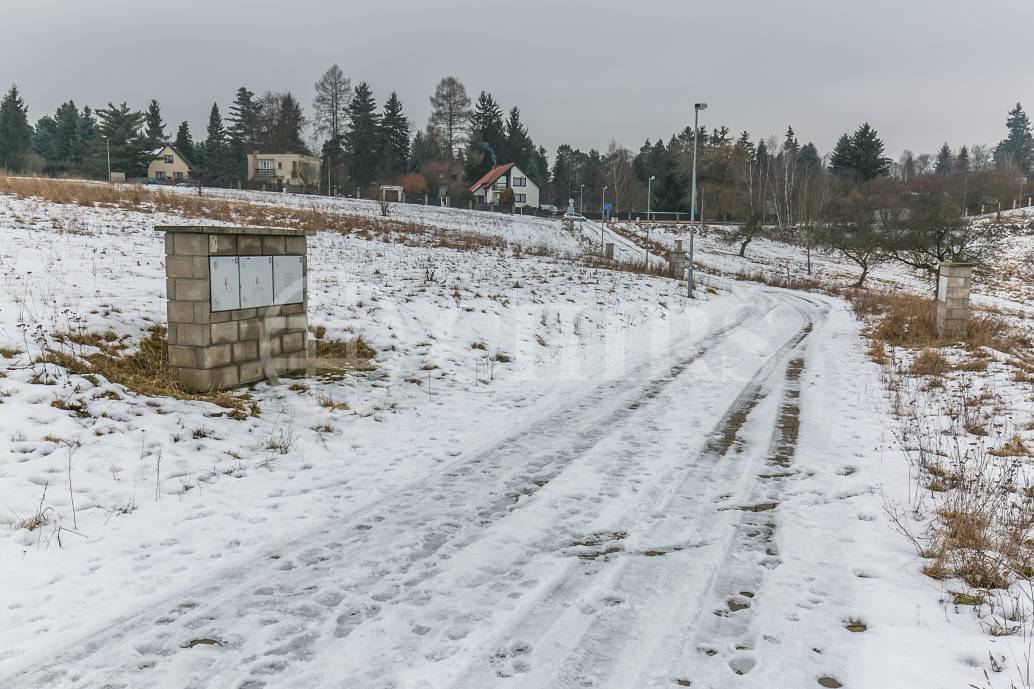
<point>583,72</point>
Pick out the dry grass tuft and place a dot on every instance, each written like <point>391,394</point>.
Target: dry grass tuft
<point>929,362</point>
<point>144,371</point>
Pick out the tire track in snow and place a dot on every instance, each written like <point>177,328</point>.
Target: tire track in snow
<point>369,559</point>
<point>598,613</point>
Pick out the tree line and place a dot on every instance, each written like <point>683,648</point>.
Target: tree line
<point>756,181</point>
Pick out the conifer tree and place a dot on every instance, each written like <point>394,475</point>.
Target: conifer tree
<point>119,132</point>
<point>242,134</point>
<point>487,138</point>
<point>808,158</point>
<point>945,164</point>
<point>860,155</point>
<point>185,142</point>
<point>394,140</point>
<point>43,133</point>
<point>361,137</point>
<point>1018,147</point>
<point>155,127</point>
<point>15,132</point>
<point>518,147</point>
<point>66,135</point>
<point>962,162</point>
<point>217,169</point>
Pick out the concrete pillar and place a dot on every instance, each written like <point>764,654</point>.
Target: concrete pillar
<point>231,334</point>
<point>677,261</point>
<point>609,251</point>
<point>953,286</point>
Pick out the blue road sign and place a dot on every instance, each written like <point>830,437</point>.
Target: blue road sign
<point>608,206</point>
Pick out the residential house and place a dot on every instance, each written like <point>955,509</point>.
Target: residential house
<point>283,170</point>
<point>169,165</point>
<point>491,186</point>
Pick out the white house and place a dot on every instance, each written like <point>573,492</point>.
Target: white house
<point>491,186</point>
<point>169,165</point>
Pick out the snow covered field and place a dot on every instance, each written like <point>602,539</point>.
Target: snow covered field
<point>554,477</point>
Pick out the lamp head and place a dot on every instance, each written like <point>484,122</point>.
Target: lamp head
<point>700,106</point>
<point>653,177</point>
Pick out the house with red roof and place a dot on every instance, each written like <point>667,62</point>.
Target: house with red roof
<point>491,186</point>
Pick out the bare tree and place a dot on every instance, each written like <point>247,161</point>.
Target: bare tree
<point>982,157</point>
<point>450,114</point>
<point>333,94</point>
<point>620,175</point>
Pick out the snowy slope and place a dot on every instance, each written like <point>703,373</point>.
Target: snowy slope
<point>651,491</point>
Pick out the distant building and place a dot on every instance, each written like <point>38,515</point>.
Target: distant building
<point>169,165</point>
<point>283,170</point>
<point>490,187</point>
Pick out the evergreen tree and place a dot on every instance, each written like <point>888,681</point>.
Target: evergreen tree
<point>15,132</point>
<point>43,138</point>
<point>1018,147</point>
<point>670,189</point>
<point>281,122</point>
<point>361,137</point>
<point>518,147</point>
<point>842,160</point>
<point>962,162</point>
<point>860,155</point>
<point>487,138</point>
<point>218,169</point>
<point>185,142</point>
<point>242,134</point>
<point>119,132</point>
<point>790,143</point>
<point>945,164</point>
<point>87,131</point>
<point>155,128</point>
<point>808,158</point>
<point>394,140</point>
<point>66,137</point>
<point>425,149</point>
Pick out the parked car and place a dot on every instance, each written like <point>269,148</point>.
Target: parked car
<point>574,216</point>
<point>550,209</point>
<point>186,184</point>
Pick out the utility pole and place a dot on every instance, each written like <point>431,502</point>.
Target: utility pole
<point>649,197</point>
<point>107,145</point>
<point>603,215</point>
<point>697,107</point>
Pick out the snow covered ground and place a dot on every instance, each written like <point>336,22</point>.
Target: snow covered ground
<point>555,477</point>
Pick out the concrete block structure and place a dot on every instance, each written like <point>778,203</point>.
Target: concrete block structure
<point>237,304</point>
<point>953,286</point>
<point>677,261</point>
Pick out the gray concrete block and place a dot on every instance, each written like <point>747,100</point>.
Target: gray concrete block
<point>273,245</point>
<point>193,335</point>
<point>251,371</point>
<point>180,311</point>
<point>194,379</point>
<point>192,290</point>
<point>224,333</point>
<point>190,244</point>
<point>225,377</point>
<point>225,244</point>
<point>182,356</point>
<point>294,245</point>
<point>215,356</point>
<point>245,351</point>
<point>249,245</point>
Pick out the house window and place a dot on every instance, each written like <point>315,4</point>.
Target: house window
<point>520,181</point>
<point>168,160</point>
<point>178,176</point>
<point>520,198</point>
<point>160,175</point>
<point>279,165</point>
<point>265,165</point>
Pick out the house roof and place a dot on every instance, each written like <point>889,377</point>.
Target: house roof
<point>491,176</point>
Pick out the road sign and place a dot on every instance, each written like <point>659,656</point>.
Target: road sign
<point>608,206</point>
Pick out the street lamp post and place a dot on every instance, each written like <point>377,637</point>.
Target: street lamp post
<point>649,197</point>
<point>581,200</point>
<point>697,107</point>
<point>603,217</point>
<point>107,145</point>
